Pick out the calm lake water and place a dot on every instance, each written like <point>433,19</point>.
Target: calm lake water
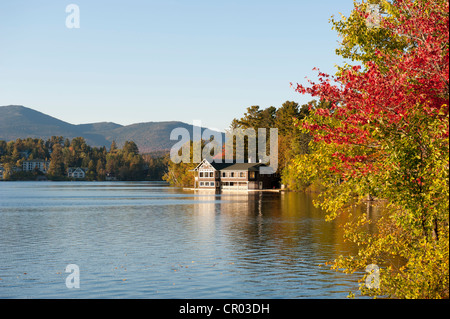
<point>147,240</point>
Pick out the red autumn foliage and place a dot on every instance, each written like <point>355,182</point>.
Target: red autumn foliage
<point>412,79</point>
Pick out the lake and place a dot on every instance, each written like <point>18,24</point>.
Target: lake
<point>148,240</point>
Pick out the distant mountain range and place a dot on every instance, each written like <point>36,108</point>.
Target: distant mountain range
<point>17,121</point>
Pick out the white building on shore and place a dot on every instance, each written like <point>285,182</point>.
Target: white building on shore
<point>76,172</point>
<point>31,165</point>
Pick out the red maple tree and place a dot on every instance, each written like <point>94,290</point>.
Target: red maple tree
<point>387,134</point>
<point>371,98</point>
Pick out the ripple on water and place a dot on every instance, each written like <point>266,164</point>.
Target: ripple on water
<point>144,240</point>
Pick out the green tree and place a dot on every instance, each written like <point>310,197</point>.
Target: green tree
<point>113,147</point>
<point>362,40</point>
<point>130,147</point>
<point>100,170</point>
<point>181,174</point>
<point>91,173</point>
<point>56,167</point>
<point>386,135</point>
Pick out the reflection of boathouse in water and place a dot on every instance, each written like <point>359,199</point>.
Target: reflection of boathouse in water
<point>233,176</point>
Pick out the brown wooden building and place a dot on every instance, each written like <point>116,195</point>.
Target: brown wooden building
<point>233,176</point>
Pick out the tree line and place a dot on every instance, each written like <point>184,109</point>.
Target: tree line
<point>99,163</point>
<point>291,141</point>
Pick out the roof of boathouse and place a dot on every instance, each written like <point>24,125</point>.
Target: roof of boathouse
<point>232,166</point>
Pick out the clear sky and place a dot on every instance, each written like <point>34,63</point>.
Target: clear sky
<point>140,61</point>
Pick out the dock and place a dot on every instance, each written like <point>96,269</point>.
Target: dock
<point>212,190</point>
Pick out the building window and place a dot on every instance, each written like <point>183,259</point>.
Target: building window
<point>232,174</point>
<point>211,184</point>
<point>211,174</point>
<point>242,174</point>
<point>206,183</point>
<point>201,183</point>
<point>252,175</point>
<point>201,174</point>
<point>224,174</point>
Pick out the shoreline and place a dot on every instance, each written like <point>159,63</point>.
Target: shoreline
<point>276,190</point>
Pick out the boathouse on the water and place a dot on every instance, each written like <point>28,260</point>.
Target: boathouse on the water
<point>232,176</point>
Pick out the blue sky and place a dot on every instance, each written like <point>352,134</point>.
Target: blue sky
<point>140,61</point>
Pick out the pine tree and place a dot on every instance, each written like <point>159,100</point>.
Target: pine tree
<point>56,168</point>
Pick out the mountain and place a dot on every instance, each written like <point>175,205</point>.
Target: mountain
<point>17,121</point>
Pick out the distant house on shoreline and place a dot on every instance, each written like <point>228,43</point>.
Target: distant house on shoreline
<point>232,176</point>
<point>76,172</point>
<point>31,165</point>
<point>110,177</point>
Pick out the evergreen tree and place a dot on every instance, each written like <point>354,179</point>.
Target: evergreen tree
<point>56,168</point>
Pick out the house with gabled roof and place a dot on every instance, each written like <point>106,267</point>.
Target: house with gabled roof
<point>232,176</point>
<point>76,172</point>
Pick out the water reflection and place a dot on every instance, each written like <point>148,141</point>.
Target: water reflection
<point>147,240</point>
<point>276,238</point>
<point>289,220</point>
